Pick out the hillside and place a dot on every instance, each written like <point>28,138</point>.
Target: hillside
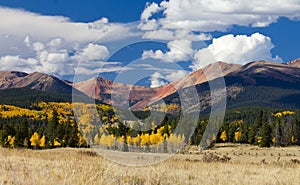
<point>200,76</point>
<point>36,81</point>
<point>103,90</point>
<point>258,83</point>
<point>28,96</point>
<point>22,89</point>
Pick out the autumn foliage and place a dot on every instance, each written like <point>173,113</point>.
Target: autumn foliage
<point>53,124</point>
<point>43,125</point>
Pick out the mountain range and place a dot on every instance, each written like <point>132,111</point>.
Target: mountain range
<point>258,83</point>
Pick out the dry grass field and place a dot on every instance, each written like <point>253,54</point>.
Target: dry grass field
<point>225,164</point>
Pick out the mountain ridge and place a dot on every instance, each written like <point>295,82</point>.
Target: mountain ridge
<point>256,73</point>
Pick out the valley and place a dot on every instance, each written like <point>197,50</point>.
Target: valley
<point>247,165</point>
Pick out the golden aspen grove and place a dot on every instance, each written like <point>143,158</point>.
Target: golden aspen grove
<point>52,124</point>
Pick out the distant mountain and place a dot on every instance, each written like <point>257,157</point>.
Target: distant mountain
<point>263,73</point>
<point>294,63</point>
<point>200,76</point>
<point>9,78</point>
<point>258,83</point>
<point>21,88</point>
<point>36,81</point>
<point>140,96</point>
<point>103,90</point>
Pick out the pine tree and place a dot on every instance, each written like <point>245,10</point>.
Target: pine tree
<point>296,132</point>
<point>254,128</point>
<point>266,135</point>
<point>73,134</point>
<point>22,133</point>
<point>52,133</point>
<point>2,137</point>
<point>62,133</point>
<point>278,132</point>
<point>287,131</point>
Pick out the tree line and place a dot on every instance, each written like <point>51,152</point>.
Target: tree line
<point>264,128</point>
<point>23,131</point>
<point>50,125</point>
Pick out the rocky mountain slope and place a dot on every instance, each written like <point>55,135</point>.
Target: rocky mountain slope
<point>106,91</point>
<point>256,84</point>
<point>36,81</point>
<point>245,85</point>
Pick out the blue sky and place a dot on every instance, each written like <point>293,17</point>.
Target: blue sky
<point>64,37</point>
<point>85,11</point>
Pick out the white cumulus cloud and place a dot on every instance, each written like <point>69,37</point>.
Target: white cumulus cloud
<point>179,50</point>
<point>20,23</point>
<point>17,63</point>
<point>207,15</point>
<point>156,80</point>
<point>38,46</point>
<point>149,10</point>
<point>55,44</point>
<point>93,52</point>
<point>239,49</point>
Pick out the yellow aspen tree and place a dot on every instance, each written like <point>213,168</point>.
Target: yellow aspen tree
<point>170,129</point>
<point>274,140</point>
<point>145,139</point>
<point>111,140</point>
<point>43,141</point>
<point>35,140</point>
<point>96,139</point>
<point>237,135</point>
<point>129,140</point>
<point>171,142</point>
<point>178,140</point>
<point>259,140</point>
<point>11,141</point>
<point>165,136</point>
<point>170,139</point>
<point>160,130</point>
<point>155,138</point>
<point>120,142</point>
<point>121,139</point>
<point>105,119</point>
<point>81,140</point>
<point>223,136</point>
<point>56,143</point>
<point>136,140</point>
<point>182,138</point>
<point>293,139</point>
<point>103,139</point>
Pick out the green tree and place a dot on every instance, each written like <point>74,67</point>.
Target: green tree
<point>73,134</point>
<point>266,135</point>
<point>52,132</point>
<point>278,132</point>
<point>22,133</point>
<point>254,128</point>
<point>296,132</point>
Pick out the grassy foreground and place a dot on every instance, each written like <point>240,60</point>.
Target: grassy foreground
<point>247,165</point>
